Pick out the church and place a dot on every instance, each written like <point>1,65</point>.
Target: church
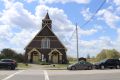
<point>46,46</point>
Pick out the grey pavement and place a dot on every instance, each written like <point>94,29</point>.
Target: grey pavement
<point>39,73</point>
<point>85,75</point>
<point>29,75</point>
<point>5,73</point>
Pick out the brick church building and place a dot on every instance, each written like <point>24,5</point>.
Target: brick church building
<point>46,46</point>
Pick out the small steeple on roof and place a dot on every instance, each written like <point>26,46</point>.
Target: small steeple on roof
<point>47,16</point>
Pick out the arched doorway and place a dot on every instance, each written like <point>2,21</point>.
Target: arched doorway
<point>55,57</point>
<point>34,56</point>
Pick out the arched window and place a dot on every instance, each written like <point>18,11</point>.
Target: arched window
<point>45,43</point>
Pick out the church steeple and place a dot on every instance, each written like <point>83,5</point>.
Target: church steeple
<point>47,16</point>
<point>47,21</point>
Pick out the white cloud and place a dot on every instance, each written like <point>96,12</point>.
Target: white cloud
<point>58,1</point>
<point>30,1</point>
<point>5,32</point>
<point>8,3</point>
<point>98,27</point>
<point>93,47</point>
<point>22,38</point>
<point>109,17</point>
<point>87,32</point>
<point>86,14</point>
<point>5,35</point>
<point>18,16</point>
<point>114,2</point>
<point>117,2</point>
<point>64,1</point>
<point>15,22</point>
<point>118,32</point>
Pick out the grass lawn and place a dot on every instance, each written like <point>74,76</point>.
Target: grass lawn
<point>23,66</point>
<point>59,66</point>
<point>51,66</point>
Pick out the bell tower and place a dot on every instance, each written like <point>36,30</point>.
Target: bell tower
<point>47,21</point>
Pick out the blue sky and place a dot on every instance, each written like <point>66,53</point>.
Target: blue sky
<point>20,21</point>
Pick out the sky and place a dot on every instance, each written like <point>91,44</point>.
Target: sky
<point>20,21</point>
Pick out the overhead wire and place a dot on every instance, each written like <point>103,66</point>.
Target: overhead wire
<point>101,5</point>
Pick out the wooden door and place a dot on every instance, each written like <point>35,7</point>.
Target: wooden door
<point>55,58</point>
<point>35,57</point>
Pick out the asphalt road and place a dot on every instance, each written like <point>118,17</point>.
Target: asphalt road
<point>29,75</point>
<point>5,73</point>
<point>39,74</point>
<point>85,75</point>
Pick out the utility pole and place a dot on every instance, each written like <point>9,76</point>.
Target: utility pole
<point>77,43</point>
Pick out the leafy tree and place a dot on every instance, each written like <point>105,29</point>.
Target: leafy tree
<point>113,54</point>
<point>8,53</point>
<point>20,57</point>
<point>106,53</point>
<point>11,54</point>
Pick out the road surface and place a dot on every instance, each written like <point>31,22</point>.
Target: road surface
<point>41,74</point>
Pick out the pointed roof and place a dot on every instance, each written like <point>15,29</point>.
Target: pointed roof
<point>47,16</point>
<point>41,33</point>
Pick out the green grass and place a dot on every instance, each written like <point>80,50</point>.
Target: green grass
<point>59,66</point>
<point>23,66</point>
<point>72,62</point>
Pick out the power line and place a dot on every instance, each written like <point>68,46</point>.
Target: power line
<point>94,13</point>
<point>101,5</point>
<point>72,34</point>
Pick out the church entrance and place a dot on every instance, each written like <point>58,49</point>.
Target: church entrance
<point>55,56</point>
<point>34,57</point>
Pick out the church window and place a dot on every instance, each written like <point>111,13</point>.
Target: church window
<point>45,43</point>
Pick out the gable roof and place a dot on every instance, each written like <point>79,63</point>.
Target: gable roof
<point>41,33</point>
<point>47,30</point>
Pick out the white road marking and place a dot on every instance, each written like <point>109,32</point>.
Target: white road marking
<point>46,75</point>
<point>13,75</point>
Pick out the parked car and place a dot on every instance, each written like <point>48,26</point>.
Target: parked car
<point>8,64</point>
<point>108,63</point>
<point>81,65</point>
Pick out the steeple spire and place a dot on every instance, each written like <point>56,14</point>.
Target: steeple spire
<point>47,16</point>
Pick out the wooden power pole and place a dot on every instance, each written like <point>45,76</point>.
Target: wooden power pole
<point>77,43</point>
